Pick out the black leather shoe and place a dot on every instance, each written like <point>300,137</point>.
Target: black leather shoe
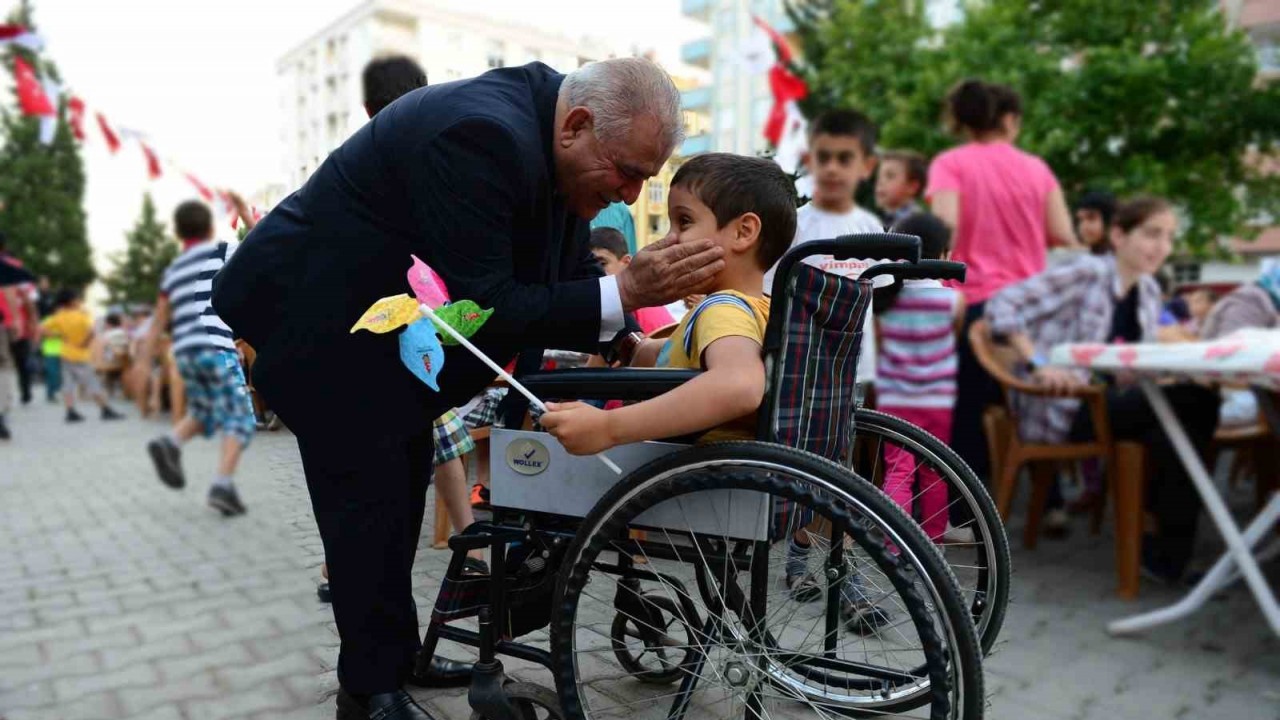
<point>396,705</point>
<point>441,672</point>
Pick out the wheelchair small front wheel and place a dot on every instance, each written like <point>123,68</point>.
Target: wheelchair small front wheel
<point>531,702</point>
<point>654,644</point>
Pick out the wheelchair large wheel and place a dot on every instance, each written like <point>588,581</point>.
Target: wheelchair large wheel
<point>981,563</point>
<point>889,634</point>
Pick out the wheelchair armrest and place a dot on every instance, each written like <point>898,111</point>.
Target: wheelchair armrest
<point>605,383</point>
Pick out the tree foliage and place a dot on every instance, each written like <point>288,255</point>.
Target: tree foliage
<point>1155,96</point>
<point>148,251</point>
<point>42,187</point>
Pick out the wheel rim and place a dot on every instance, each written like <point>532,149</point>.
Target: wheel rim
<point>975,572</point>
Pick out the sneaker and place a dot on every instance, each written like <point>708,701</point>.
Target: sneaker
<point>1057,524</point>
<point>958,535</point>
<point>226,501</point>
<point>4,431</point>
<point>167,458</point>
<point>479,496</point>
<point>803,585</point>
<point>109,414</point>
<point>860,614</point>
<point>73,416</point>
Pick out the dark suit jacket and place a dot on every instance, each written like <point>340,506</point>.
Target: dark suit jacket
<point>460,174</point>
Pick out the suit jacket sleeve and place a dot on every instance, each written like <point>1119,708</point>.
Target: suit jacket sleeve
<point>467,186</point>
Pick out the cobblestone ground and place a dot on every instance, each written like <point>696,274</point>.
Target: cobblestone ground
<point>122,599</point>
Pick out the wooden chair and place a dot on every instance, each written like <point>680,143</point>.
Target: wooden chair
<point>1124,462</point>
<point>1255,449</point>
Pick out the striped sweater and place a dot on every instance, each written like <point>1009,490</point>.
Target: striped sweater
<point>916,366</point>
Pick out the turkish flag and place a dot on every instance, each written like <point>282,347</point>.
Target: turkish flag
<point>201,188</point>
<point>75,108</point>
<point>786,87</point>
<point>113,142</point>
<point>153,162</point>
<point>31,94</point>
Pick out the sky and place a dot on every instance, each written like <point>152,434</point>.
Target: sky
<point>198,78</point>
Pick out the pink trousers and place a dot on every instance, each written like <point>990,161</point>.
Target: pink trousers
<point>917,489</point>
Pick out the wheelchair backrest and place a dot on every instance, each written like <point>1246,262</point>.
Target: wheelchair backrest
<point>812,344</point>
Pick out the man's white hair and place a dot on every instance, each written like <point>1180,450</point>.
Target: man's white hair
<point>619,90</point>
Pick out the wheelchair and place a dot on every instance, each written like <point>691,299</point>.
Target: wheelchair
<point>662,593</point>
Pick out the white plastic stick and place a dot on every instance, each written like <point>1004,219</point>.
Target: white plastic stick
<point>515,384</point>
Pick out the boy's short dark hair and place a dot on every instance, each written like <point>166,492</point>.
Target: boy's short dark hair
<point>846,123</point>
<point>611,240</point>
<point>935,236</point>
<point>734,185</point>
<point>193,220</point>
<point>113,320</point>
<point>65,297</point>
<point>914,163</point>
<point>1101,202</point>
<point>387,78</point>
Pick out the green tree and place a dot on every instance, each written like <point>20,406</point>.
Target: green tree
<point>136,275</point>
<point>42,187</point>
<point>1152,96</point>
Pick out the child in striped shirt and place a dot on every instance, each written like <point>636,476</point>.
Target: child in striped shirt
<point>916,371</point>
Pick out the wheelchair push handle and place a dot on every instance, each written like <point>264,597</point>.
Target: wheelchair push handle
<point>894,247</point>
<point>923,270</point>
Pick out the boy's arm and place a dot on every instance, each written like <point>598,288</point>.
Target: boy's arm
<point>732,386</point>
<point>646,354</point>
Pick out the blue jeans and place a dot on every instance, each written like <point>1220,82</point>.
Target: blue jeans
<point>52,375</point>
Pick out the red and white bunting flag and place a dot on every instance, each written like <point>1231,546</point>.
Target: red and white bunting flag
<point>31,94</point>
<point>75,110</point>
<point>21,36</point>
<point>201,188</point>
<point>49,123</point>
<point>113,142</point>
<point>153,162</point>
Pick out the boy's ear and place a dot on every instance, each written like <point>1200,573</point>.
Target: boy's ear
<point>625,259</point>
<point>747,233</point>
<point>869,164</point>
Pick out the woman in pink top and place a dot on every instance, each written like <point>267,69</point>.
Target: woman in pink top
<point>1005,208</point>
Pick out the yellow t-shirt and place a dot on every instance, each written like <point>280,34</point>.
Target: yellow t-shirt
<point>75,329</point>
<point>727,313</point>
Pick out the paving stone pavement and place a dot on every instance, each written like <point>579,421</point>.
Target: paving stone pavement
<point>120,598</point>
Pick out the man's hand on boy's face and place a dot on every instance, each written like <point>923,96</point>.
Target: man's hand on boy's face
<point>668,270</point>
<point>581,428</point>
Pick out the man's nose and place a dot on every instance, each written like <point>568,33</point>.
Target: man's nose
<point>630,191</point>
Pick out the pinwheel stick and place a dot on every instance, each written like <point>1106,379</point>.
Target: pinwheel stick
<point>515,384</point>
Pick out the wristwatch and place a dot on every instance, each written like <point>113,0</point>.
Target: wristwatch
<point>624,348</point>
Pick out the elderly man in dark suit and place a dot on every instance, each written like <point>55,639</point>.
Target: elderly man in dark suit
<point>491,181</point>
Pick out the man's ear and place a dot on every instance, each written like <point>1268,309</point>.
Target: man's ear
<point>625,260</point>
<point>576,121</point>
<point>747,233</point>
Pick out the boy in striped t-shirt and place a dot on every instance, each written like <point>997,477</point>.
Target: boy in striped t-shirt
<point>204,350</point>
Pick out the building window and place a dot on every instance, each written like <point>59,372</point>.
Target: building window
<point>656,189</point>
<point>654,222</point>
<point>1186,272</point>
<point>494,55</point>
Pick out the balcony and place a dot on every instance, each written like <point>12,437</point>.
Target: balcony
<point>696,99</point>
<point>697,53</point>
<point>694,145</point>
<point>696,9</point>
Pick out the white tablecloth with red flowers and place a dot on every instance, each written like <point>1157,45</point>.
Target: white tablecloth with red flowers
<point>1247,357</point>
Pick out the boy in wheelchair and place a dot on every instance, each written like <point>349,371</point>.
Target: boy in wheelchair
<point>748,205</point>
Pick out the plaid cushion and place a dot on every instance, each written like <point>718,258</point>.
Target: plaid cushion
<point>813,386</point>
